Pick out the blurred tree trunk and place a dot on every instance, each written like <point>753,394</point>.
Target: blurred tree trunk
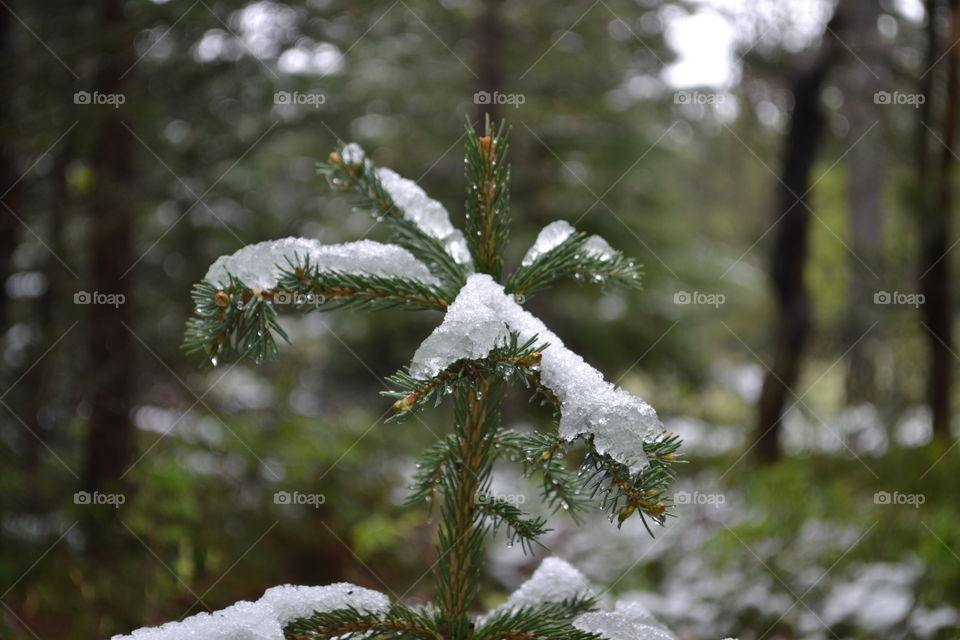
<point>111,210</point>
<point>8,165</point>
<point>489,56</point>
<point>789,256</point>
<point>865,175</point>
<point>936,201</point>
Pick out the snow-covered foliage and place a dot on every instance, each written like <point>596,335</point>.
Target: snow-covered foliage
<point>555,580</point>
<point>429,215</point>
<point>555,233</point>
<point>483,316</point>
<point>258,266</point>
<point>425,212</point>
<point>265,618</point>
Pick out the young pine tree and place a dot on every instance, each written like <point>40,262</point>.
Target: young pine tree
<point>486,341</point>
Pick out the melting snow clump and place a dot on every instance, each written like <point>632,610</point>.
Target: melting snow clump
<point>258,266</point>
<point>555,580</point>
<point>265,618</point>
<point>425,212</point>
<point>555,233</point>
<point>549,238</point>
<point>483,316</point>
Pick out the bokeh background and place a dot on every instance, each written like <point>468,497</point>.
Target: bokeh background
<point>783,169</point>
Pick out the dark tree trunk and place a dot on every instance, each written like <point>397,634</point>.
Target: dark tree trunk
<point>8,165</point>
<point>791,239</point>
<point>111,211</point>
<point>489,57</point>
<point>936,203</point>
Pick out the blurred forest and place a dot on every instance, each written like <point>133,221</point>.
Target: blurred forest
<point>795,214</point>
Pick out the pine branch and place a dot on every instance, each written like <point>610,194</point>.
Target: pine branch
<point>510,361</point>
<point>230,323</point>
<point>488,197</point>
<point>547,621</point>
<point>235,321</point>
<point>361,181</point>
<point>398,623</point>
<point>623,493</point>
<point>572,259</point>
<point>341,290</point>
<point>521,528</point>
<point>542,454</point>
<point>430,469</point>
<point>460,537</point>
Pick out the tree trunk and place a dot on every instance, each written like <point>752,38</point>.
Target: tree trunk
<point>934,266</point>
<point>489,57</point>
<point>791,240</point>
<point>8,166</point>
<point>111,210</point>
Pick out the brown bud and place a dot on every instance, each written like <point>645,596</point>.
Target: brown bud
<point>221,299</point>
<point>403,404</point>
<point>626,512</point>
<point>485,143</point>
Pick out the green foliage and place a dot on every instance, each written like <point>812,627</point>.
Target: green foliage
<point>487,211</point>
<point>547,620</point>
<point>570,259</point>
<point>398,623</point>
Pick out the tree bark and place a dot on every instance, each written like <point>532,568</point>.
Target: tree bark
<point>8,166</point>
<point>791,241</point>
<point>489,57</point>
<point>111,211</point>
<point>934,278</point>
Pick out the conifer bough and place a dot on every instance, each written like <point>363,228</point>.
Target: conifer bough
<point>485,342</point>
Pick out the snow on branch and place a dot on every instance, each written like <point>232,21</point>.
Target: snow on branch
<point>484,316</point>
<point>560,250</point>
<point>415,206</point>
<point>260,266</point>
<point>266,618</point>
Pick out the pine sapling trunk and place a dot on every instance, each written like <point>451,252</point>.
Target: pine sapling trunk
<point>461,539</point>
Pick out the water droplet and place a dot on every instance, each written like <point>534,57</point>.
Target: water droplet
<point>479,395</point>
